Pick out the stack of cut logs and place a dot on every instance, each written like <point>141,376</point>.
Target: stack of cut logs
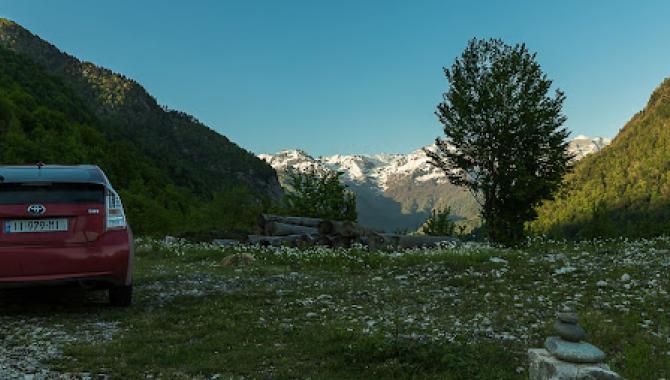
<point>301,231</point>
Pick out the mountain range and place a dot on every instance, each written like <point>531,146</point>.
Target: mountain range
<point>398,191</point>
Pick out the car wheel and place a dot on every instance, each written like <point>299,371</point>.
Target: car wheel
<point>121,295</point>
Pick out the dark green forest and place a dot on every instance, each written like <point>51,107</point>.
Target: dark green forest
<point>43,119</point>
<point>624,190</point>
<point>194,155</point>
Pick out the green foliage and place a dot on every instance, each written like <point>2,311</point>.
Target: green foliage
<point>42,119</point>
<point>623,190</point>
<point>230,214</point>
<point>196,157</point>
<point>510,146</point>
<point>319,196</point>
<point>439,224</point>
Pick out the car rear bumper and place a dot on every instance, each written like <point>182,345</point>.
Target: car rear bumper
<point>82,279</point>
<point>108,259</point>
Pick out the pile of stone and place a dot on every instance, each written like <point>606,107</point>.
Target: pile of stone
<point>275,230</point>
<point>568,345</point>
<point>567,356</point>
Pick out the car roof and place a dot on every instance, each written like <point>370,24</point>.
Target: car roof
<point>53,173</point>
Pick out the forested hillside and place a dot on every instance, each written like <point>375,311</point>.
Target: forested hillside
<point>176,175</point>
<point>624,190</point>
<point>194,155</point>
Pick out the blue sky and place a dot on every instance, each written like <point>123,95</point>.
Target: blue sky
<point>354,76</point>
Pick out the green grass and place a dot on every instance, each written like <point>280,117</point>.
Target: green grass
<point>323,314</point>
<point>220,335</point>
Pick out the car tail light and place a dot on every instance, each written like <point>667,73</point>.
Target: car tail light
<point>116,218</point>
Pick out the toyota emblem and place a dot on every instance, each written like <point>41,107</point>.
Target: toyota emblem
<point>36,209</point>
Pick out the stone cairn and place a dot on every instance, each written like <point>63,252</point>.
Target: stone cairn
<point>567,356</point>
<point>568,345</point>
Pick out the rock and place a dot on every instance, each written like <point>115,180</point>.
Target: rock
<point>625,277</point>
<point>225,242</point>
<point>276,279</point>
<point>311,315</point>
<point>240,259</point>
<point>568,317</point>
<point>573,352</point>
<point>570,332</point>
<point>324,297</point>
<point>543,366</point>
<point>498,260</point>
<point>565,270</point>
<point>601,283</point>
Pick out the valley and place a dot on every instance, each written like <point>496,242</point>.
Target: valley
<point>573,223</point>
<point>397,192</point>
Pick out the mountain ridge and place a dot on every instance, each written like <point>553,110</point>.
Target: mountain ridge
<point>170,169</point>
<point>406,184</point>
<point>130,112</point>
<point>624,190</point>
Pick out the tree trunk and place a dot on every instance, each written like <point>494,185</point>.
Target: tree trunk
<point>297,220</point>
<point>283,229</point>
<point>344,228</point>
<point>292,240</point>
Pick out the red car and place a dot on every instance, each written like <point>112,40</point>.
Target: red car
<point>62,224</point>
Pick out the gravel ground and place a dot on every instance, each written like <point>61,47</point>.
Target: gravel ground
<point>511,296</point>
<point>34,326</point>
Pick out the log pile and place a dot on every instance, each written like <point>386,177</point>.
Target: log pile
<point>276,230</point>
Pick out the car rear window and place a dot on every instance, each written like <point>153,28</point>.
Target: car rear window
<point>14,193</point>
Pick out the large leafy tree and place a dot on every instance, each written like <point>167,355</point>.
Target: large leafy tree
<point>319,196</point>
<point>504,138</point>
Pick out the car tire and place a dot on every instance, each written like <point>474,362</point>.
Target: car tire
<point>121,295</point>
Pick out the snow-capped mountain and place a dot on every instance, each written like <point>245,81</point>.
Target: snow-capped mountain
<point>295,159</point>
<point>398,191</point>
<point>377,169</point>
<point>581,145</point>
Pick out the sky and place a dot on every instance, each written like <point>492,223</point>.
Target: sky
<point>360,76</point>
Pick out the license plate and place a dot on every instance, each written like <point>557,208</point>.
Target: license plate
<point>36,225</point>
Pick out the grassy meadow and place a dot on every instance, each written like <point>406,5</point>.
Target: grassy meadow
<point>464,311</point>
